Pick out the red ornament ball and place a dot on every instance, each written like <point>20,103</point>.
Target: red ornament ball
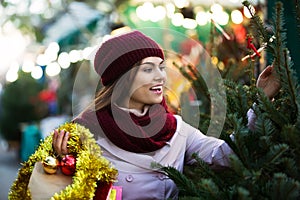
<point>68,165</point>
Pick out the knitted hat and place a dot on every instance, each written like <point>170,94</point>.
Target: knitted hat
<point>118,55</point>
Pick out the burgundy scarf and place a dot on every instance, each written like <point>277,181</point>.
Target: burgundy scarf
<point>138,134</point>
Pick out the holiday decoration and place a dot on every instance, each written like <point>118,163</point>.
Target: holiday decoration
<point>250,45</point>
<point>50,165</point>
<point>256,51</point>
<point>91,167</point>
<point>68,165</point>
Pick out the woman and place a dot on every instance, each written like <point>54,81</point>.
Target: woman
<point>131,122</point>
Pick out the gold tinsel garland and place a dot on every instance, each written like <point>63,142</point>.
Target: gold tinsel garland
<point>91,167</point>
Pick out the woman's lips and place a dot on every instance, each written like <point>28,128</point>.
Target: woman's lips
<point>157,89</point>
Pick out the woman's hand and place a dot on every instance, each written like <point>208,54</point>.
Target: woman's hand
<point>60,140</point>
<point>269,82</point>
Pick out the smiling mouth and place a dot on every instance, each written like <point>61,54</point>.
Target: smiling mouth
<point>157,89</point>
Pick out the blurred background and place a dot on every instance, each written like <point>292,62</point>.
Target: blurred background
<point>45,43</point>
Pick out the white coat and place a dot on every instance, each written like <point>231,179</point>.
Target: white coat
<point>140,181</point>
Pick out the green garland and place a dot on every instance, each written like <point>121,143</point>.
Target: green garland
<point>91,167</point>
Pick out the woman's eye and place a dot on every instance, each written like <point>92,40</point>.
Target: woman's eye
<point>162,68</point>
<point>147,69</point>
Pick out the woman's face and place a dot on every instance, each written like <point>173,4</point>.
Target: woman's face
<point>147,86</point>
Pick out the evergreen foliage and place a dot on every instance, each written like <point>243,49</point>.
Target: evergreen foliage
<point>297,3</point>
<point>202,92</point>
<point>266,162</point>
<point>20,104</point>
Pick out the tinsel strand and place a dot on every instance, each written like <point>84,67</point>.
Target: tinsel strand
<point>91,166</point>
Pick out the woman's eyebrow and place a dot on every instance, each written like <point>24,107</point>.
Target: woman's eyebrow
<point>162,62</point>
<point>151,63</point>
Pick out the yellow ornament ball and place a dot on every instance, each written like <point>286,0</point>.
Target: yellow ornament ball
<point>50,165</point>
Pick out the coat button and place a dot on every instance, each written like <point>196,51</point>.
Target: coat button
<point>129,178</point>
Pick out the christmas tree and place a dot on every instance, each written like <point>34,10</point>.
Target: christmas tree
<point>266,162</point>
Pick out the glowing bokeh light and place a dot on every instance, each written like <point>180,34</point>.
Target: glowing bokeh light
<point>64,60</point>
<point>37,72</point>
<point>28,66</point>
<point>237,17</point>
<point>177,19</point>
<point>53,69</point>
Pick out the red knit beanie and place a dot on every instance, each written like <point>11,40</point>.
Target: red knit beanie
<point>118,55</point>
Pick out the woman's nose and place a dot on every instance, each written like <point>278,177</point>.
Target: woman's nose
<point>160,75</point>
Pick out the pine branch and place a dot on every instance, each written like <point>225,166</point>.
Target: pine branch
<point>282,187</point>
<point>290,135</point>
<point>275,153</point>
<point>243,194</point>
<point>290,167</point>
<point>206,171</point>
<point>186,186</point>
<point>210,189</point>
<point>239,98</point>
<point>199,82</point>
<point>250,71</point>
<point>280,36</point>
<point>212,32</point>
<point>264,126</point>
<point>297,7</point>
<point>291,85</point>
<point>239,134</point>
<point>260,29</point>
<point>271,111</point>
<point>239,168</point>
<point>263,134</point>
